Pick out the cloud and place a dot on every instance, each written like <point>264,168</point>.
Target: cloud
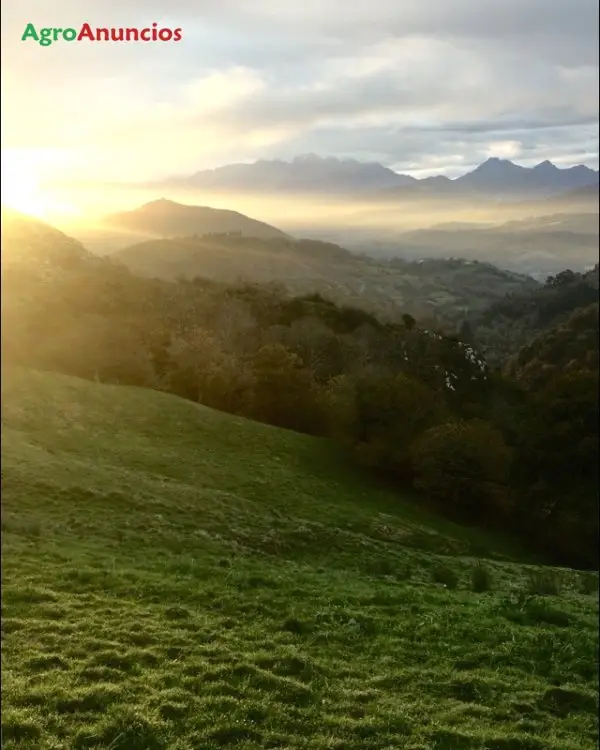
<point>418,85</point>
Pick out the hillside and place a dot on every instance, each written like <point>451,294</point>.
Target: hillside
<point>29,242</point>
<point>177,578</point>
<point>582,196</point>
<point>446,288</point>
<point>164,218</point>
<point>569,345</point>
<point>578,223</point>
<point>519,319</point>
<point>534,246</point>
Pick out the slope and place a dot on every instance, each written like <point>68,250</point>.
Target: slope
<point>32,243</point>
<point>164,218</point>
<point>177,578</point>
<point>539,250</point>
<point>445,287</point>
<point>568,346</point>
<point>518,319</point>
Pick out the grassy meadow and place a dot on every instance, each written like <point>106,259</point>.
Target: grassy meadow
<point>175,578</point>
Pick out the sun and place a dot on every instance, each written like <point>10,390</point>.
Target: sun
<point>21,192</point>
<point>21,189</point>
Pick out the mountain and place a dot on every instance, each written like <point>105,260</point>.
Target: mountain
<point>313,174</point>
<point>165,218</point>
<point>304,173</point>
<point>502,176</point>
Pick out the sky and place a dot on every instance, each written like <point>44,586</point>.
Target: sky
<point>422,86</point>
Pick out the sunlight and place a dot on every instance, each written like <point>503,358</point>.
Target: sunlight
<point>20,191</point>
<point>21,188</point>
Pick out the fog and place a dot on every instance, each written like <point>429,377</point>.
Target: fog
<point>301,212</point>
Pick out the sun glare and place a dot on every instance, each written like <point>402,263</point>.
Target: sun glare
<point>21,190</point>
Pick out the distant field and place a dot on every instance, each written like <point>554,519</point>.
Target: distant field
<point>179,579</point>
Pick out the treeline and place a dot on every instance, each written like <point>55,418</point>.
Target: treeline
<point>512,322</point>
<point>420,407</point>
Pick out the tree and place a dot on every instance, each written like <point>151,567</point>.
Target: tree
<point>556,467</point>
<point>465,332</point>
<point>464,466</point>
<point>391,412</point>
<point>283,392</point>
<point>409,321</point>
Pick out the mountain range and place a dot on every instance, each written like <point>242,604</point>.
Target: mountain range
<point>310,173</point>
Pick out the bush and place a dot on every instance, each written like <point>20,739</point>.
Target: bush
<point>544,583</point>
<point>445,576</point>
<point>481,579</point>
<point>464,465</point>
<point>391,412</point>
<point>27,527</point>
<point>283,392</point>
<point>588,583</point>
<point>527,609</point>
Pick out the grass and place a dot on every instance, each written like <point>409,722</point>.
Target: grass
<point>175,578</point>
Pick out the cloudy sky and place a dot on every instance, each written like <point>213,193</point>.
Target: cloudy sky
<point>423,86</point>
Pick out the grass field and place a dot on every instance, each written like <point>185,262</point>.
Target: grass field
<point>176,578</point>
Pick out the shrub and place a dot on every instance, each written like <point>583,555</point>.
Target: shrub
<point>527,609</point>
<point>445,576</point>
<point>588,583</point>
<point>544,583</point>
<point>391,412</point>
<point>464,465</point>
<point>481,579</point>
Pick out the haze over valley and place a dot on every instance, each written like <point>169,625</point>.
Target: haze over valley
<point>530,220</point>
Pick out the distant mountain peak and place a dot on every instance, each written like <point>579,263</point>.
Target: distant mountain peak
<point>312,173</point>
<point>158,203</point>
<point>546,166</point>
<point>494,163</point>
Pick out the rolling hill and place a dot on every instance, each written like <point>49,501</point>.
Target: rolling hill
<point>588,194</point>
<point>177,578</point>
<point>444,287</point>
<point>538,245</point>
<point>569,345</point>
<point>29,242</point>
<point>164,218</point>
<point>523,320</point>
